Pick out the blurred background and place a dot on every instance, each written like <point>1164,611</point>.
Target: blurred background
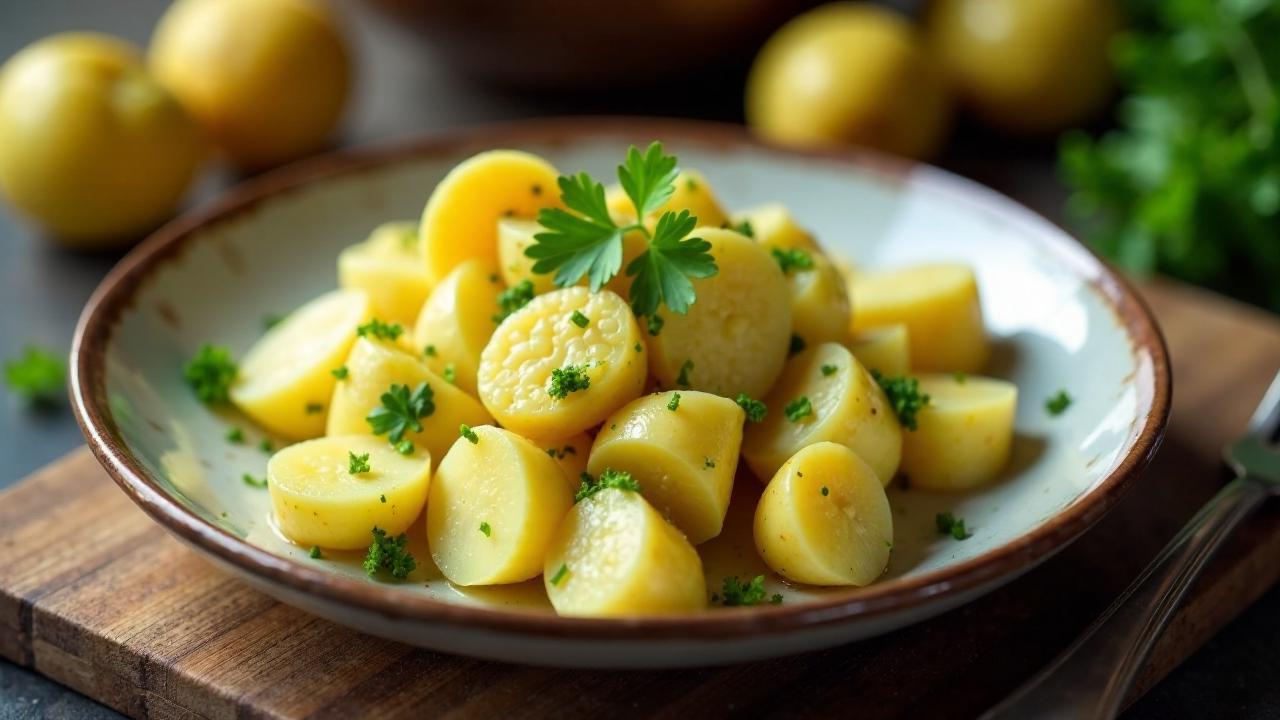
<point>1148,127</point>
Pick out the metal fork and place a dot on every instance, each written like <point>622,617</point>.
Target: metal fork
<point>1091,678</point>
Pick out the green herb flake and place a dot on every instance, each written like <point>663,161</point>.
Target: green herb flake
<point>825,491</point>
<point>829,370</point>
<point>949,524</point>
<point>401,411</point>
<point>315,553</point>
<point>464,430</point>
<point>270,320</point>
<point>776,599</point>
<point>610,478</point>
<point>450,374</point>
<point>382,499</point>
<point>674,402</point>
<point>39,376</point>
<point>904,397</point>
<point>210,373</point>
<point>708,463</point>
<point>960,378</point>
<point>357,464</point>
<point>735,593</point>
<point>255,482</point>
<point>655,324</point>
<point>340,373</point>
<point>375,328</point>
<point>512,299</point>
<point>799,409</point>
<point>742,227</point>
<point>1058,404</point>
<point>484,528</point>
<point>389,556</point>
<point>564,570</point>
<point>577,318</point>
<point>683,378</point>
<point>792,259</point>
<point>266,446</point>
<point>568,379</point>
<point>796,346</point>
<point>404,447</point>
<point>314,408</point>
<point>429,351</point>
<point>235,436</point>
<point>639,348</point>
<point>755,409</point>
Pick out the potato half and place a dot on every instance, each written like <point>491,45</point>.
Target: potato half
<point>773,225</point>
<point>457,321</point>
<point>571,455</point>
<point>386,266</point>
<point>886,350</point>
<point>964,434</point>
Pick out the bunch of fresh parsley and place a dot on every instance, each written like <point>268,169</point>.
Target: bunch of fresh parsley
<point>1189,183</point>
<point>584,240</point>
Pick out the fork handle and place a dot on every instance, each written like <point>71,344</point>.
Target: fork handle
<point>1093,676</point>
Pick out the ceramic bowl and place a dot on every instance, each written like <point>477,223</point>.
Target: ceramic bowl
<point>1060,319</point>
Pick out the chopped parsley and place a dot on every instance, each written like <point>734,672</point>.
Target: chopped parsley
<point>959,377</point>
<point>610,478</point>
<point>708,463</point>
<point>357,464</point>
<point>314,408</point>
<point>450,374</point>
<point>742,227</point>
<point>1058,404</point>
<point>386,554</point>
<point>683,378</point>
<point>755,409</point>
<point>792,259</point>
<point>949,524</point>
<point>210,373</point>
<point>829,370</point>
<point>512,299</point>
<point>465,431</point>
<point>401,411</point>
<point>655,324</point>
<point>382,499</point>
<point>639,347</point>
<point>559,454</point>
<point>315,552</point>
<point>825,491</point>
<point>674,402</point>
<point>799,409</point>
<point>404,447</point>
<point>797,345</point>
<point>484,528</point>
<point>271,320</point>
<point>570,378</point>
<point>235,436</point>
<point>577,318</point>
<point>38,375</point>
<point>735,593</point>
<point>904,397</point>
<point>429,351</point>
<point>340,372</point>
<point>252,481</point>
<point>564,570</point>
<point>584,241</point>
<point>380,330</point>
<point>266,446</point>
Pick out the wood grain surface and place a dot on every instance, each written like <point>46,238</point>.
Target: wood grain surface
<point>96,596</point>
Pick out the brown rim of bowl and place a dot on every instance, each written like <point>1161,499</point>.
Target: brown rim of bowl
<point>116,292</point>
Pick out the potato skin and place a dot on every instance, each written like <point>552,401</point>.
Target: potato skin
<point>683,459</point>
<point>886,350</point>
<point>737,332</point>
<point>317,501</point>
<point>619,558</point>
<point>964,435</point>
<point>938,303</point>
<point>824,519</point>
<point>848,408</point>
<point>385,266</point>
<point>511,486</point>
<point>457,320</point>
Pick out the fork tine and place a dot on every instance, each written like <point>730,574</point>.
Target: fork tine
<point>1266,419</point>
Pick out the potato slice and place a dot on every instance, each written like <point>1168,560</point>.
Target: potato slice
<point>514,236</point>
<point>572,456</point>
<point>824,519</point>
<point>457,321</point>
<point>964,434</point>
<point>318,501</point>
<point>460,220</point>
<point>692,193</point>
<point>846,406</point>
<point>494,505</point>
<point>615,555</point>
<point>772,225</point>
<point>684,459</point>
<point>938,304</point>
<point>734,338</point>
<point>884,349</point>
<point>284,381</point>
<point>540,341</point>
<point>372,368</point>
<point>386,266</point>
<point>819,302</point>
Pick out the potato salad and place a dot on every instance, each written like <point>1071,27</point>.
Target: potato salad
<point>547,376</point>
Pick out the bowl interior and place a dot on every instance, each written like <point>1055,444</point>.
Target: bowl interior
<point>1044,301</point>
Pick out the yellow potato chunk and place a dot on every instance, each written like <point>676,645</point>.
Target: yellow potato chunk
<point>883,349</point>
<point>372,368</point>
<point>460,220</point>
<point>284,381</point>
<point>819,302</point>
<point>615,555</point>
<point>735,336</point>
<point>514,236</point>
<point>824,519</point>
<point>457,321</point>
<point>572,456</point>
<point>964,434</point>
<point>692,193</point>
<point>317,500</point>
<point>545,377</point>
<point>773,225</point>
<point>844,405</point>
<point>938,304</point>
<point>684,459</point>
<point>387,267</point>
<point>493,509</point>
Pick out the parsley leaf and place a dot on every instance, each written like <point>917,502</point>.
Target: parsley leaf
<point>662,273</point>
<point>755,409</point>
<point>401,411</point>
<point>949,524</point>
<point>210,373</point>
<point>509,301</point>
<point>1058,404</point>
<point>357,464</point>
<point>252,481</point>
<point>799,409</point>
<point>570,378</point>
<point>648,179</point>
<point>792,259</point>
<point>674,402</point>
<point>735,593</point>
<point>576,245</point>
<point>486,529</point>
<point>904,397</point>
<point>389,555</point>
<point>380,330</point>
<point>610,478</point>
<point>37,375</point>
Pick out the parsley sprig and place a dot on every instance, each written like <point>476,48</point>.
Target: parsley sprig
<point>401,411</point>
<point>904,397</point>
<point>949,524</point>
<point>584,241</point>
<point>390,555</point>
<point>610,478</point>
<point>735,593</point>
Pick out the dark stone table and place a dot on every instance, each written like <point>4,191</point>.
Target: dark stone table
<point>401,91</point>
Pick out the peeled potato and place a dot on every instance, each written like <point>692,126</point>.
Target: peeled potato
<point>460,220</point>
<point>824,519</point>
<point>514,236</point>
<point>964,434</point>
<point>387,267</point>
<point>457,320</point>
<point>372,368</point>
<point>519,363</point>
<point>318,501</point>
<point>886,350</point>
<point>938,304</point>
<point>819,302</point>
<point>848,407</point>
<point>692,193</point>
<point>613,555</point>
<point>683,459</point>
<point>502,484</point>
<point>773,225</point>
<point>734,338</point>
<point>571,455</point>
<point>284,381</point>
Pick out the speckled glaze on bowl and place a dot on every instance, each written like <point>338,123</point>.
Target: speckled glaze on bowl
<point>1060,320</point>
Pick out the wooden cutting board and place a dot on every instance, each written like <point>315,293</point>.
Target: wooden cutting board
<point>96,596</point>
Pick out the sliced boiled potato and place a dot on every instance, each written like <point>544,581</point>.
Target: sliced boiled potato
<point>964,433</point>
<point>887,350</point>
<point>819,302</point>
<point>523,368</point>
<point>285,381</point>
<point>572,456</point>
<point>613,555</point>
<point>773,226</point>
<point>692,193</point>
<point>735,336</point>
<point>372,368</point>
<point>514,236</point>
<point>387,266</point>
<point>458,319</point>
<point>939,305</point>
<point>494,505</point>
<point>317,500</point>
<point>824,519</point>
<point>684,459</point>
<point>845,404</point>
<point>460,220</point>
